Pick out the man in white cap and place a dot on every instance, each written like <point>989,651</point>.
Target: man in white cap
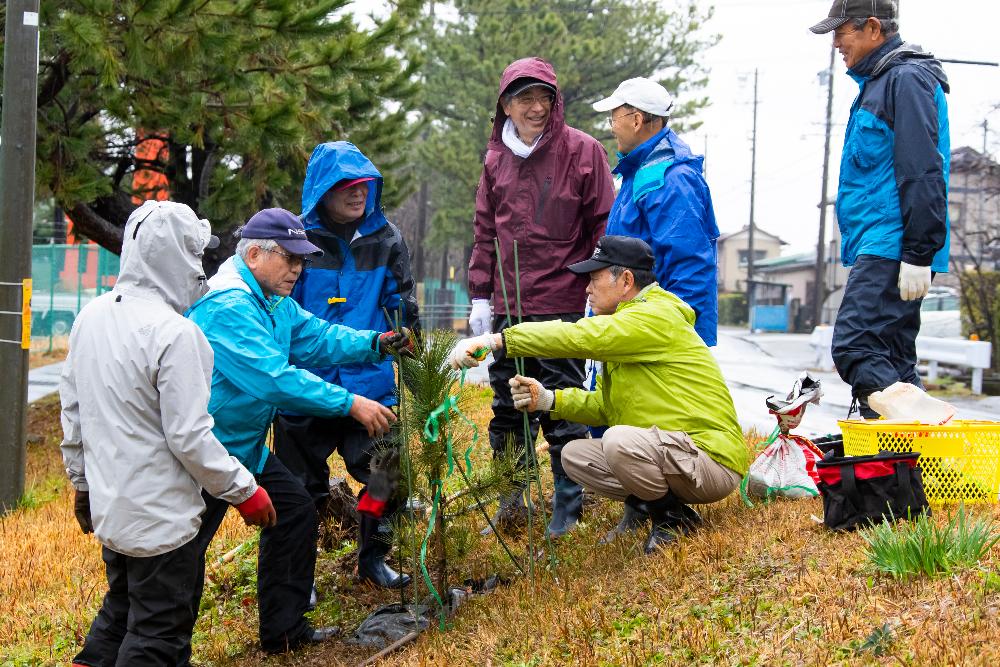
<point>663,198</point>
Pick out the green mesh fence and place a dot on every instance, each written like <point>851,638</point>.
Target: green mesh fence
<point>64,279</point>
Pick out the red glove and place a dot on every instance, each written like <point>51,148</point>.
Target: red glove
<point>257,510</point>
<point>370,506</point>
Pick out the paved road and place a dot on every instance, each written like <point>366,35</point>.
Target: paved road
<point>43,381</point>
<point>758,365</point>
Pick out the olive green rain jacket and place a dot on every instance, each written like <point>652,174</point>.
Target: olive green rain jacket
<point>657,372</point>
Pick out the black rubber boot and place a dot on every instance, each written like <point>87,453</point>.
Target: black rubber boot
<point>671,519</point>
<point>374,537</point>
<point>634,516</point>
<point>512,513</point>
<point>567,505</point>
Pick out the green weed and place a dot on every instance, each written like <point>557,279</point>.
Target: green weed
<point>927,548</point>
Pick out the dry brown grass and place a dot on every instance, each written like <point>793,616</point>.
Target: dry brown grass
<point>762,585</point>
<point>44,352</point>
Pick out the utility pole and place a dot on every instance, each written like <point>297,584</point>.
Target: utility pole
<point>753,184</point>
<point>17,198</point>
<point>819,287</point>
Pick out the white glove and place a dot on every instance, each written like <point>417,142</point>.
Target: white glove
<point>481,317</point>
<point>468,352</point>
<point>914,281</point>
<point>529,394</point>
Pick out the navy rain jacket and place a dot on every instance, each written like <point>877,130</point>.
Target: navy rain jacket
<point>352,282</point>
<point>893,195</point>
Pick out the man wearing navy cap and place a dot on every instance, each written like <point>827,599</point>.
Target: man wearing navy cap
<point>673,437</point>
<point>892,201</point>
<point>262,340</point>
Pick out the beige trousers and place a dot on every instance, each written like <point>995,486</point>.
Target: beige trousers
<point>647,463</point>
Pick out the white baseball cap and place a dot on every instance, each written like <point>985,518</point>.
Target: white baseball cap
<point>642,93</point>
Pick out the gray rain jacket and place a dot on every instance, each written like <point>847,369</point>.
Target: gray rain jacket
<point>136,429</point>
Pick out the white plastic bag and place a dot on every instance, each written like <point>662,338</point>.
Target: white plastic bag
<point>783,469</point>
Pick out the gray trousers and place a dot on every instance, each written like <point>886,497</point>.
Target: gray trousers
<point>647,463</point>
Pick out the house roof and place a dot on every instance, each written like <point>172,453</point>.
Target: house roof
<point>757,231</point>
<point>785,263</point>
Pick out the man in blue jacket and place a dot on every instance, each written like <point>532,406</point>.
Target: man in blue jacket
<point>663,198</point>
<point>261,339</point>
<point>892,204</point>
<point>363,274</point>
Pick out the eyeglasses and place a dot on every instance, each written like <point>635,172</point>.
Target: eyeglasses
<point>544,100</point>
<point>838,33</point>
<point>293,260</point>
<point>613,118</point>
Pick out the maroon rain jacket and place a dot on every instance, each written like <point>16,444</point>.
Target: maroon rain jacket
<point>555,203</point>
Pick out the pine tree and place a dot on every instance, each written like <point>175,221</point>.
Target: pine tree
<point>239,91</point>
<point>438,467</point>
<point>593,44</point>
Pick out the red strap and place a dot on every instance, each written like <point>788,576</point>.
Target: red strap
<point>864,470</point>
<point>370,506</point>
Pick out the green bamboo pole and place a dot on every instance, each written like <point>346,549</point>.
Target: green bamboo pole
<point>405,446</point>
<point>519,367</point>
<point>533,456</point>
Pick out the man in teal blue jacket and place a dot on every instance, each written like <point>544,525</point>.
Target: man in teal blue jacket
<point>363,274</point>
<point>892,202</point>
<point>260,339</point>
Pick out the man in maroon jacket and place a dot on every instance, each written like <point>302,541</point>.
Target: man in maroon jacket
<point>547,186</point>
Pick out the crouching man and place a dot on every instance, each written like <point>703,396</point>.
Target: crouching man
<point>673,436</point>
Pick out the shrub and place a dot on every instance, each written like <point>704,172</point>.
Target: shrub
<point>924,547</point>
<point>733,309</point>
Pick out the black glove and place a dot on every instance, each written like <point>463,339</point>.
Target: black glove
<point>385,475</point>
<point>396,342</point>
<point>81,508</point>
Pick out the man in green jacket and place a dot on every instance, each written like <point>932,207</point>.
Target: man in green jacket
<point>673,437</point>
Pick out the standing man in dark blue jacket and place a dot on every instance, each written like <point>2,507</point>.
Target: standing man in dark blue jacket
<point>892,203</point>
<point>363,273</point>
<point>663,198</point>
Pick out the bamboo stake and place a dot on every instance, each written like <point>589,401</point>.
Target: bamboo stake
<point>519,367</point>
<point>532,455</point>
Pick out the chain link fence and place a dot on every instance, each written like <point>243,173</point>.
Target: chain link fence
<point>65,278</point>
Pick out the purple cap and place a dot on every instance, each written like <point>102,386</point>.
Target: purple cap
<point>281,226</point>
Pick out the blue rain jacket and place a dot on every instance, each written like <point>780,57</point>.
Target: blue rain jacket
<point>893,196</point>
<point>664,200</point>
<point>258,344</point>
<point>353,282</point>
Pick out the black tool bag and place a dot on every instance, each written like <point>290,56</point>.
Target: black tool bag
<point>860,490</point>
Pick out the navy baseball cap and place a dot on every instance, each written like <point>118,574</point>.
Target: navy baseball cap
<point>625,251</point>
<point>281,226</point>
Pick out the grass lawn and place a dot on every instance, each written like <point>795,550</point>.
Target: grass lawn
<point>757,586</point>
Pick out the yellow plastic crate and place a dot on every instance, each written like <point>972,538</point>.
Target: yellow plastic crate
<point>959,460</point>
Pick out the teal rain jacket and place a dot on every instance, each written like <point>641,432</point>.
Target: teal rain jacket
<point>258,344</point>
<point>664,200</point>
<point>355,283</point>
<point>893,195</point>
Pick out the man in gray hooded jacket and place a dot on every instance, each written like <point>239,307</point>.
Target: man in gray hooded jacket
<point>138,444</point>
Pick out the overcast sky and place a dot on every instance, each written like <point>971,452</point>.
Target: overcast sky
<point>773,36</point>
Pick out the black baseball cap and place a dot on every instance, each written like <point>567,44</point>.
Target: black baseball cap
<point>281,226</point>
<point>518,86</point>
<point>625,251</point>
<point>843,11</point>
